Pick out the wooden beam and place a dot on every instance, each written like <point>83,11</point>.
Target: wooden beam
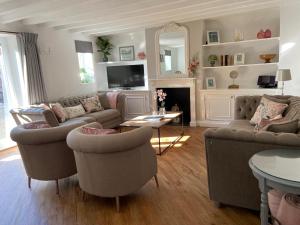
<point>123,29</point>
<point>178,15</point>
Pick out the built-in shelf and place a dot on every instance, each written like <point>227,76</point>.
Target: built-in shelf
<point>243,42</point>
<point>243,65</point>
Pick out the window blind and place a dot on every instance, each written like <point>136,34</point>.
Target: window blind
<point>83,46</point>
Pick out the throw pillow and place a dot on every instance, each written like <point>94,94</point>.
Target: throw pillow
<point>59,112</point>
<point>284,127</point>
<point>91,104</point>
<point>112,99</point>
<point>36,125</point>
<point>263,123</point>
<point>278,98</point>
<point>75,111</point>
<point>293,111</point>
<point>103,100</point>
<point>267,109</point>
<point>97,131</point>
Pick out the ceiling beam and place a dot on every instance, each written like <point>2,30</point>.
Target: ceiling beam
<point>153,12</point>
<point>138,26</point>
<point>176,14</point>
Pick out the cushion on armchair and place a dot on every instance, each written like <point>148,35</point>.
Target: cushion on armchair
<point>97,131</point>
<point>37,125</point>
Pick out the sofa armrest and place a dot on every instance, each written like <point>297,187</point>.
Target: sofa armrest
<point>121,105</point>
<point>265,137</point>
<point>41,136</point>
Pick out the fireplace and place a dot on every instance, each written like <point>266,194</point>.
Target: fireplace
<point>178,97</point>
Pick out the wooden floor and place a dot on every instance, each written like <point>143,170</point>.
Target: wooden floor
<point>181,199</point>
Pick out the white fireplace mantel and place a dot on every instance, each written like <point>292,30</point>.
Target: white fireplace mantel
<point>177,83</point>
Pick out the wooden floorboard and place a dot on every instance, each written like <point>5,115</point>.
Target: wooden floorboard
<point>181,199</point>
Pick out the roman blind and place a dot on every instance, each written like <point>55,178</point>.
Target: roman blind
<point>83,46</point>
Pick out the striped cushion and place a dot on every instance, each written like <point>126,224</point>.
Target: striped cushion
<point>293,111</point>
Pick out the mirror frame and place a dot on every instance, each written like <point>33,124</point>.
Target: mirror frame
<point>168,28</point>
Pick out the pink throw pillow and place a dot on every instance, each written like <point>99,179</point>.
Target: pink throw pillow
<point>289,210</point>
<point>112,99</point>
<point>36,125</point>
<point>59,112</point>
<point>97,131</point>
<point>274,200</point>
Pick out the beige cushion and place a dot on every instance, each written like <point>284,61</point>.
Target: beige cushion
<point>284,127</point>
<point>267,109</point>
<point>91,104</point>
<point>103,100</point>
<point>293,111</point>
<point>106,115</point>
<point>75,111</point>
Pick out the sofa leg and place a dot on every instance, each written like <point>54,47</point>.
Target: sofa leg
<point>29,182</point>
<point>118,203</point>
<point>156,180</point>
<point>57,187</point>
<point>218,204</point>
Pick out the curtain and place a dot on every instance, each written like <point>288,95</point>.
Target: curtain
<point>32,67</point>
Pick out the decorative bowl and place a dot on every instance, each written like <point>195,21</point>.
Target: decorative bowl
<point>267,57</point>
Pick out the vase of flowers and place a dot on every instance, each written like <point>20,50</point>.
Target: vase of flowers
<point>161,96</point>
<point>193,66</point>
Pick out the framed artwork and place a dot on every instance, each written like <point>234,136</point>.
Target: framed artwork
<point>211,83</point>
<point>239,58</point>
<point>213,37</point>
<point>126,53</point>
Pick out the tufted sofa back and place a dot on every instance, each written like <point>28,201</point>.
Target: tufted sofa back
<point>73,101</point>
<point>245,107</point>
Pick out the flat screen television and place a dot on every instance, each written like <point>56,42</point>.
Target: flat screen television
<point>125,76</point>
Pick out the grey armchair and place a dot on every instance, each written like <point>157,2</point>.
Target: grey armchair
<point>45,153</point>
<point>113,165</point>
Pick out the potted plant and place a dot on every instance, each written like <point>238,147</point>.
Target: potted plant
<point>212,59</point>
<point>104,46</point>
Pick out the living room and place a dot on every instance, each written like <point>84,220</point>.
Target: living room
<point>149,112</point>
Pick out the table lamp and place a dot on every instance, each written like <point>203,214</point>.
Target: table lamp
<point>283,75</point>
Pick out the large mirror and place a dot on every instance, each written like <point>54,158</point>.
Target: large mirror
<point>172,51</point>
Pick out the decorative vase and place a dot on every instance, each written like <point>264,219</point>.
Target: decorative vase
<point>105,58</point>
<point>162,110</point>
<point>212,63</point>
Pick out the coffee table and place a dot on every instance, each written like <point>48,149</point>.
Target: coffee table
<point>145,120</point>
<point>279,169</point>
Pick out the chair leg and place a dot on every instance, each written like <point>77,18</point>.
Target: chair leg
<point>57,187</point>
<point>156,180</point>
<point>118,203</point>
<point>29,182</point>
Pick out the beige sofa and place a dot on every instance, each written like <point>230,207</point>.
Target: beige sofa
<point>229,149</point>
<point>113,165</point>
<point>45,153</point>
<point>109,118</point>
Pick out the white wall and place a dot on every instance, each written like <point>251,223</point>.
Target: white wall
<point>59,60</point>
<point>290,43</point>
<point>137,39</point>
<point>60,63</point>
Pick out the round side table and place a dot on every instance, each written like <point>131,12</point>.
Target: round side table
<point>276,169</point>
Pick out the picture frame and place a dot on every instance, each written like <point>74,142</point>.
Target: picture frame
<point>239,59</point>
<point>211,83</point>
<point>213,37</point>
<point>126,53</point>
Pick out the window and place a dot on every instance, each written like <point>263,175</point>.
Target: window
<point>86,67</point>
<point>84,51</point>
<point>168,60</point>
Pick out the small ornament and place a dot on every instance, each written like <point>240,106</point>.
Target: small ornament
<point>261,34</point>
<point>268,33</point>
<point>141,55</point>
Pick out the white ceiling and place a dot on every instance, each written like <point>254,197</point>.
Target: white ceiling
<point>103,17</point>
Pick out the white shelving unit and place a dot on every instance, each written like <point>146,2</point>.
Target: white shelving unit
<point>243,65</point>
<point>245,42</point>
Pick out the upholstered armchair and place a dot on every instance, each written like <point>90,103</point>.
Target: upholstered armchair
<point>45,153</point>
<point>113,165</point>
